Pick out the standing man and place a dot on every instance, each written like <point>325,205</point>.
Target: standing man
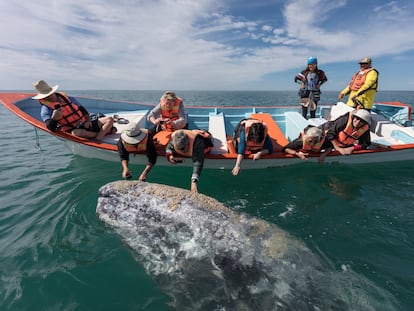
<point>363,86</point>
<point>310,79</point>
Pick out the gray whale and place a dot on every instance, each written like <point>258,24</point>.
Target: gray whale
<point>207,257</point>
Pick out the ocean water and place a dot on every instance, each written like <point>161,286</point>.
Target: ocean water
<point>56,255</point>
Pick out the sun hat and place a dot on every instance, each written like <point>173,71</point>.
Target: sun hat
<point>133,134</point>
<point>363,114</point>
<point>365,60</point>
<point>180,141</point>
<point>43,89</point>
<point>169,95</point>
<point>312,60</point>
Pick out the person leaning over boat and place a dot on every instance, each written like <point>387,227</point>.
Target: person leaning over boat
<point>311,140</point>
<point>363,86</point>
<point>311,79</point>
<point>350,132</point>
<point>62,112</point>
<point>136,140</point>
<point>190,143</point>
<point>251,137</point>
<point>169,114</point>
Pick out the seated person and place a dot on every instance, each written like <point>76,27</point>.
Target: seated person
<point>350,131</point>
<point>63,112</point>
<point>251,136</point>
<point>189,143</point>
<point>169,114</point>
<point>311,139</point>
<point>136,140</point>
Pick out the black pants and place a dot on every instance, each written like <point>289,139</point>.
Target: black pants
<point>312,113</point>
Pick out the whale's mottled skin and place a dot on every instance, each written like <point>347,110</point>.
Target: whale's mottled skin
<point>207,257</point>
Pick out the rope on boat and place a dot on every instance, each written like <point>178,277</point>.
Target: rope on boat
<point>37,141</point>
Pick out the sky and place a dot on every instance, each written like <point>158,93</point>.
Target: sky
<point>202,44</point>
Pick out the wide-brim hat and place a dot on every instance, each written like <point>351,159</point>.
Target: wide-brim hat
<point>133,134</point>
<point>43,89</point>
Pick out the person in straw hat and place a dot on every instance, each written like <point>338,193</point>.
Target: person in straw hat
<point>169,114</point>
<point>136,140</point>
<point>62,112</point>
<point>311,140</point>
<point>363,86</point>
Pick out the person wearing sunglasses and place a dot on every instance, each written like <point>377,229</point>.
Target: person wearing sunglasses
<point>350,132</point>
<point>363,86</point>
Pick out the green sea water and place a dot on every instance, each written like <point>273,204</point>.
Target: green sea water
<point>56,255</point>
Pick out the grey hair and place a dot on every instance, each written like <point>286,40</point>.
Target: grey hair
<point>314,131</point>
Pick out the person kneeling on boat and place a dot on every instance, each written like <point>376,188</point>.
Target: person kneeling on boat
<point>251,137</point>
<point>311,140</point>
<point>190,143</point>
<point>63,112</point>
<point>169,114</point>
<point>350,132</point>
<point>136,140</point>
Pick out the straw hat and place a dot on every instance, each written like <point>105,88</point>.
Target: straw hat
<point>43,89</point>
<point>132,134</point>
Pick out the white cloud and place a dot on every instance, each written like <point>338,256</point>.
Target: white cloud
<point>183,44</point>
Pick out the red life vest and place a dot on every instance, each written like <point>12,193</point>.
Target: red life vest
<point>251,146</point>
<point>307,147</point>
<point>141,147</point>
<point>359,78</point>
<point>349,134</point>
<point>71,116</point>
<point>172,114</point>
<point>192,134</point>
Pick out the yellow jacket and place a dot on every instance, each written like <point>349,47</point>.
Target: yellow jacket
<point>368,90</point>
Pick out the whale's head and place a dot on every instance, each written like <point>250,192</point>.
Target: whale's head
<point>207,257</point>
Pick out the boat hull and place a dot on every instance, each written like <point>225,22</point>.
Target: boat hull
<point>285,124</point>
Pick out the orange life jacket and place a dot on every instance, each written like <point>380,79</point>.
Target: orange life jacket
<point>359,78</point>
<point>71,116</point>
<point>172,114</point>
<point>192,134</point>
<point>141,147</point>
<point>307,147</point>
<point>250,145</point>
<point>349,134</point>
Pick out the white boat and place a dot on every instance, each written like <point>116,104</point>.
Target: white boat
<point>392,135</point>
